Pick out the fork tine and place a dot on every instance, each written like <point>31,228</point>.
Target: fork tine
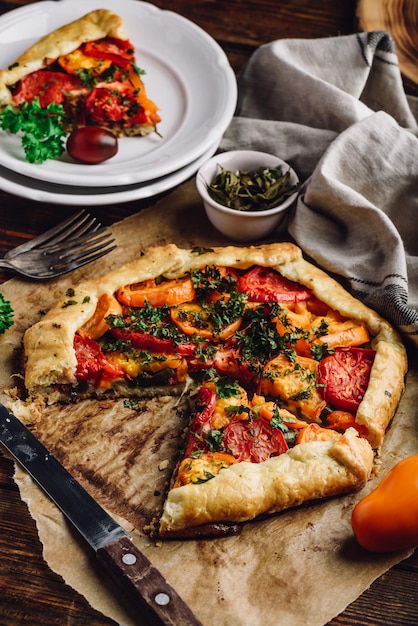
<point>75,256</point>
<point>53,234</point>
<point>44,263</point>
<point>75,244</point>
<point>89,255</point>
<point>86,224</point>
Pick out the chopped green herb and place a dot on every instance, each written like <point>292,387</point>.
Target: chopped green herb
<point>206,476</point>
<point>138,70</point>
<point>233,410</point>
<point>214,439</point>
<point>260,337</point>
<point>200,250</point>
<point>322,329</point>
<point>277,420</point>
<point>227,387</point>
<point>223,312</point>
<point>303,394</point>
<point>131,403</point>
<point>318,351</point>
<point>6,314</point>
<point>86,77</point>
<point>42,134</point>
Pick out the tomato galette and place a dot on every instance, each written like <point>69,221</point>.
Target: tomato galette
<point>88,67</point>
<point>292,382</point>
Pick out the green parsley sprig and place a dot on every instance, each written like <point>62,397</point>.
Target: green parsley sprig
<point>6,314</point>
<point>42,134</point>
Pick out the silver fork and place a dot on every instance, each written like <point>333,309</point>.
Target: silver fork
<point>73,243</point>
<point>75,225</point>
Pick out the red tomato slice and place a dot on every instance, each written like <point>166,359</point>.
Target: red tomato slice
<point>254,441</point>
<point>228,362</point>
<point>193,444</point>
<point>92,364</point>
<point>344,376</point>
<point>263,284</point>
<point>202,422</point>
<point>119,52</point>
<point>114,104</point>
<point>146,341</point>
<point>206,402</point>
<point>47,86</point>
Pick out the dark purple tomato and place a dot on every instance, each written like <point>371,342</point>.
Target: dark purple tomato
<point>91,145</point>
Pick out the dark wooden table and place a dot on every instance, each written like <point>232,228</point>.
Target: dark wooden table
<point>30,593</point>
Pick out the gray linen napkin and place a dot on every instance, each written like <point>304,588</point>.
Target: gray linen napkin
<point>336,110</point>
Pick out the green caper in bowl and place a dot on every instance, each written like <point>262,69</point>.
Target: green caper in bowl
<point>252,190</point>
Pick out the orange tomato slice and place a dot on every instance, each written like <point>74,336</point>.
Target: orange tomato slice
<point>314,432</point>
<point>293,321</point>
<point>192,319</point>
<point>149,106</point>
<point>341,420</point>
<point>294,384</point>
<point>266,409</point>
<point>348,334</point>
<point>96,326</point>
<point>134,366</point>
<point>314,306</point>
<point>221,417</point>
<point>170,292</point>
<point>77,60</point>
<point>200,469</point>
<point>345,334</point>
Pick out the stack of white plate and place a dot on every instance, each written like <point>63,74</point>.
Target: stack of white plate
<point>187,75</point>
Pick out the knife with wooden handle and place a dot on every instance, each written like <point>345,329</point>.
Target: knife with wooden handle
<point>158,603</point>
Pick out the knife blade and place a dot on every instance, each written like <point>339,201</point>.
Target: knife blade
<point>146,587</point>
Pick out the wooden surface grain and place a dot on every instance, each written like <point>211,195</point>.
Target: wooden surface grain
<point>30,593</point>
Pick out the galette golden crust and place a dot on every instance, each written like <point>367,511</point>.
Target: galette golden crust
<point>51,360</point>
<point>91,27</point>
<point>387,381</point>
<point>245,491</point>
<point>48,345</point>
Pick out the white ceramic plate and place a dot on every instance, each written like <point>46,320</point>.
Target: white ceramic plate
<point>42,191</point>
<point>187,75</point>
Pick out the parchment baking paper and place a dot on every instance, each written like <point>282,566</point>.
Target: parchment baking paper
<point>300,567</point>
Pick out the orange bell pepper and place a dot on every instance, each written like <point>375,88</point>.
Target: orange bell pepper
<point>386,520</point>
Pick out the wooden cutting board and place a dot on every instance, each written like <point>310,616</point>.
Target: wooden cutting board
<point>400,19</point>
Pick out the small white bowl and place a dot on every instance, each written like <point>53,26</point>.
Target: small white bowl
<point>243,225</point>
